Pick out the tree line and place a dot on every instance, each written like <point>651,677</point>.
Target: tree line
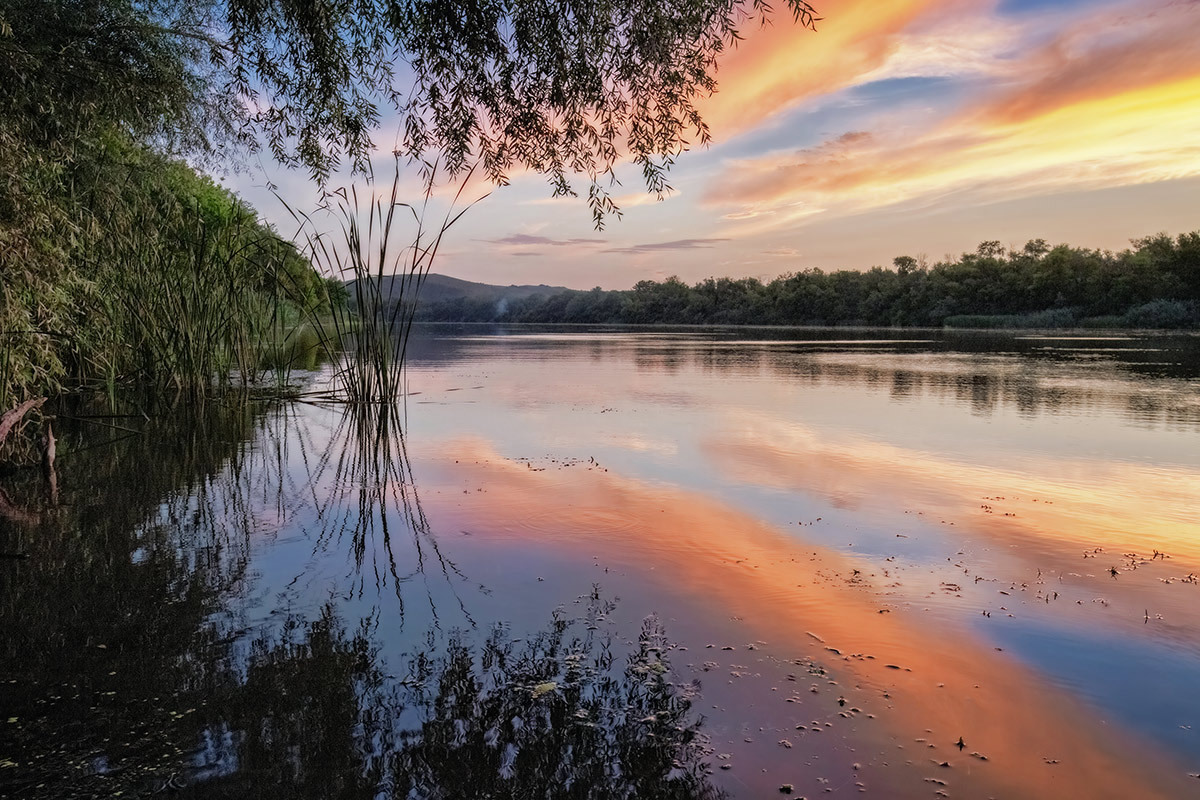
<point>1153,284</point>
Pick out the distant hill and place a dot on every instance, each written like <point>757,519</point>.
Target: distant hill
<point>443,288</point>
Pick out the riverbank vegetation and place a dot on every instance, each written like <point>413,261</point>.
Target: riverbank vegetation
<point>1153,284</point>
<point>163,279</point>
<point>121,263</point>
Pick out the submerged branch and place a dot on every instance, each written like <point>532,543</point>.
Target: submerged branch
<point>12,417</point>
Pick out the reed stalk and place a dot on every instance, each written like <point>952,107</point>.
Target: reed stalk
<point>384,273</point>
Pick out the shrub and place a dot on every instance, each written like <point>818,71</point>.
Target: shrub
<point>1164,314</point>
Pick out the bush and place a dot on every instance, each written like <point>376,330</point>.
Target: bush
<point>1164,314</point>
<point>1050,318</point>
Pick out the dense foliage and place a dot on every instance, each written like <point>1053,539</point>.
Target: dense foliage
<point>557,88</point>
<point>1156,284</point>
<point>153,275</point>
<point>119,261</point>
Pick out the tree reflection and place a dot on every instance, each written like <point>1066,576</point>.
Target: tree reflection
<point>105,611</point>
<point>317,716</point>
<point>987,372</point>
<point>133,661</point>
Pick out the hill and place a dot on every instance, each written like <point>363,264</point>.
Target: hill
<point>444,288</point>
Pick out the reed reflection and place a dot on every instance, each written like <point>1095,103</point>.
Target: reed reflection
<point>364,497</point>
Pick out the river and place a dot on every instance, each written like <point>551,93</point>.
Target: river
<point>617,562</point>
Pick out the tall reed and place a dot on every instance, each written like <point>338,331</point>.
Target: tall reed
<point>189,314</point>
<point>384,274</point>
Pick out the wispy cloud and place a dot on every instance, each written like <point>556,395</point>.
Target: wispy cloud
<point>1111,100</point>
<point>550,200</point>
<point>644,198</point>
<point>748,213</point>
<point>779,66</point>
<point>533,240</point>
<point>656,247</point>
<point>969,44</point>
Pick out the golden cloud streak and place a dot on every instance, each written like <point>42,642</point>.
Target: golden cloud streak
<point>1117,114</point>
<point>779,65</point>
<point>1142,136</point>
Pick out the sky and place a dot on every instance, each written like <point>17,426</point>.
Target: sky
<point>899,127</point>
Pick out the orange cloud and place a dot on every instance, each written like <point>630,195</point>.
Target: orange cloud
<point>1106,57</point>
<point>1102,105</point>
<point>779,65</point>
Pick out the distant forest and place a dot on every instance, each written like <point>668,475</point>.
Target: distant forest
<point>1154,284</point>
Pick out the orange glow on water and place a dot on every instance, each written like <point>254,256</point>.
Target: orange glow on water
<point>1049,505</point>
<point>919,678</point>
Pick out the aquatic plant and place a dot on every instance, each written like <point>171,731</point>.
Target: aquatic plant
<point>383,269</point>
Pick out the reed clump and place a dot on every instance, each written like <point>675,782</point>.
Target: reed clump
<point>382,249</point>
<point>167,282</point>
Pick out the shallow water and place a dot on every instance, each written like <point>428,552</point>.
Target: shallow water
<point>784,557</point>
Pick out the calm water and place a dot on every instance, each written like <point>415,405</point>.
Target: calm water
<point>618,563</point>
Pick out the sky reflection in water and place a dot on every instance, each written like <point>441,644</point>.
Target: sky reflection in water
<point>963,475</point>
<point>900,540</point>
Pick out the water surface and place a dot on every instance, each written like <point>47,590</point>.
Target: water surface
<point>623,561</point>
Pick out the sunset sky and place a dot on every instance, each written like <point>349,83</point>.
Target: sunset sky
<point>899,127</point>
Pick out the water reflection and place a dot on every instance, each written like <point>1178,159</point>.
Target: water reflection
<point>140,656</point>
<point>1050,505</point>
<point>104,614</point>
<point>316,714</point>
<point>923,683</point>
<point>947,494</point>
<point>1135,375</point>
<point>255,600</point>
<point>364,497</point>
